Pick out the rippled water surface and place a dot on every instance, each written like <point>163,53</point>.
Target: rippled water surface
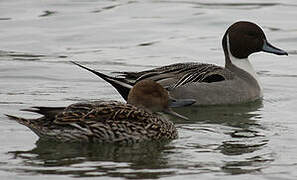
<point>38,39</point>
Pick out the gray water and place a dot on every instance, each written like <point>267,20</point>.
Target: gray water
<point>38,39</point>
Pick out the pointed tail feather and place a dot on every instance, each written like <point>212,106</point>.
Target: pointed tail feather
<point>120,84</point>
<point>18,119</point>
<point>30,123</point>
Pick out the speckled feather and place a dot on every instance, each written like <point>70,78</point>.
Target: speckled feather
<point>100,121</point>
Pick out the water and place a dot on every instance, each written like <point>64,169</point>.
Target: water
<point>39,38</point>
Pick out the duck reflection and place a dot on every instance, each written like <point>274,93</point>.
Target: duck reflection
<point>246,140</point>
<point>105,159</point>
<point>240,116</point>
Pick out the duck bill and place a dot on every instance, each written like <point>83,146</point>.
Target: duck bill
<point>180,102</point>
<point>267,47</point>
<point>171,112</point>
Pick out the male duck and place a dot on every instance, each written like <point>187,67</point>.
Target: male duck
<point>110,121</point>
<point>209,84</point>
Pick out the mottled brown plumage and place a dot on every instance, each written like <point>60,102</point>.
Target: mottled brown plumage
<point>101,121</point>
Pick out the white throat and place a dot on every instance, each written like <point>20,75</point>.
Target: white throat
<point>243,64</point>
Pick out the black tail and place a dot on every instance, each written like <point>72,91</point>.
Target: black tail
<point>121,85</point>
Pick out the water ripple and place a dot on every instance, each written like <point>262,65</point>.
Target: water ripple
<point>23,56</point>
<point>225,5</point>
<point>47,13</point>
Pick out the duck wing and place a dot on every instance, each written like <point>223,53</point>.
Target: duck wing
<point>179,74</point>
<point>83,112</point>
<point>103,112</point>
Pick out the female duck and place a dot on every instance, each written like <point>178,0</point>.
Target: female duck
<point>110,121</point>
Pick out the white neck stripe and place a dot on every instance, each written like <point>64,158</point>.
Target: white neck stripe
<point>243,64</point>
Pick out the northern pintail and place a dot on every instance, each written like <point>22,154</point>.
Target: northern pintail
<point>209,84</point>
<point>110,121</point>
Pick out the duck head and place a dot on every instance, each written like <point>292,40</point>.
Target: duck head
<point>153,97</point>
<point>244,38</point>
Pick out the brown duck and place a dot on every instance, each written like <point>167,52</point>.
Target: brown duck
<point>110,121</point>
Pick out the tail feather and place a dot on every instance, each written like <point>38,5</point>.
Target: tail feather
<point>120,84</point>
<point>30,123</point>
<point>18,119</point>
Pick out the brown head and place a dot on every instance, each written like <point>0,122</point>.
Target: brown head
<point>153,97</point>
